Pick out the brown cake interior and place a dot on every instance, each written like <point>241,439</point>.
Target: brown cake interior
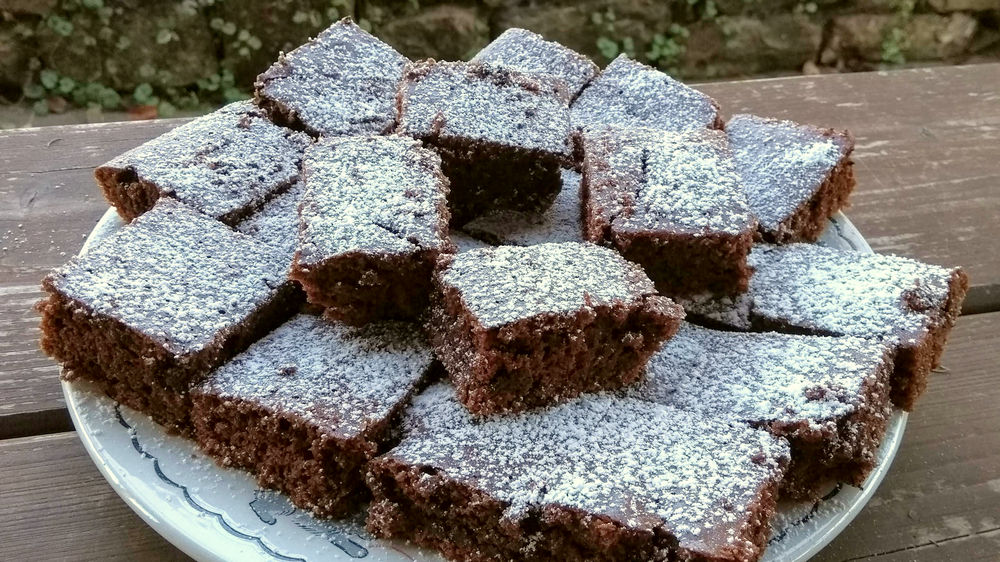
<point>811,218</point>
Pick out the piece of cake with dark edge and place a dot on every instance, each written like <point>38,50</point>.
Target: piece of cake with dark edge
<point>343,82</point>
<point>628,93</point>
<point>796,176</point>
<point>558,223</point>
<point>152,309</point>
<point>672,203</point>
<point>520,327</point>
<point>226,164</point>
<point>276,224</point>
<point>829,396</point>
<point>598,478</point>
<point>804,288</point>
<point>372,222</point>
<point>530,53</point>
<point>502,135</point>
<point>308,405</point>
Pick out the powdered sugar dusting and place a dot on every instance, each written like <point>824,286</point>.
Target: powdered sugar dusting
<point>559,223</point>
<point>630,94</point>
<point>528,52</point>
<point>175,275</point>
<point>277,223</point>
<point>782,163</point>
<point>223,164</point>
<point>836,292</point>
<point>645,465</point>
<point>507,283</point>
<point>344,379</point>
<point>659,180</point>
<point>343,82</point>
<point>761,378</point>
<point>374,194</point>
<point>484,103</point>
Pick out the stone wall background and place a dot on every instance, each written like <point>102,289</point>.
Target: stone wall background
<point>157,56</point>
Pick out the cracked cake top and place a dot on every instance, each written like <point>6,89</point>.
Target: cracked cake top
<point>371,194</point>
<point>530,53</point>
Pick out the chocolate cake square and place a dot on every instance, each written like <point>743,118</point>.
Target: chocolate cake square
<point>599,478</point>
<point>519,327</point>
<point>372,222</point>
<point>308,405</point>
<point>796,176</point>
<point>343,82</point>
<point>276,225</point>
<point>828,396</point>
<point>672,203</point>
<point>527,52</point>
<point>502,135</point>
<point>630,94</point>
<point>151,310</point>
<point>225,164</point>
<point>559,223</point>
<point>810,289</point>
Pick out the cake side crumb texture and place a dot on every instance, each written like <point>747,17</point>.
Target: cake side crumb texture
<point>342,379</point>
<point>646,466</point>
<point>343,82</point>
<point>558,223</point>
<point>175,275</point>
<point>482,103</point>
<point>371,194</point>
<point>508,283</point>
<point>630,94</point>
<point>782,163</point>
<point>223,164</point>
<point>530,53</point>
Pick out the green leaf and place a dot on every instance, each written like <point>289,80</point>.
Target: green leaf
<point>607,47</point>
<point>66,85</point>
<point>34,91</point>
<point>60,25</point>
<point>143,92</point>
<point>49,78</point>
<point>164,36</point>
<point>40,107</point>
<point>92,4</point>
<point>166,109</point>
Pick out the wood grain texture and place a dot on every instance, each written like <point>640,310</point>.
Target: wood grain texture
<point>927,157</point>
<point>941,498</point>
<point>48,204</point>
<point>57,506</point>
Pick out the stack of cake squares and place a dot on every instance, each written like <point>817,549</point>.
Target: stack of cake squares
<point>515,308</point>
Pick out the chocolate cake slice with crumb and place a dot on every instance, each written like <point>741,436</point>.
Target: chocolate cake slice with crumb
<point>226,164</point>
<point>307,406</point>
<point>829,396</point>
<point>630,94</point>
<point>343,82</point>
<point>672,203</point>
<point>151,310</point>
<point>804,288</point>
<point>528,52</point>
<point>372,222</point>
<point>502,135</point>
<point>598,478</point>
<point>519,327</point>
<point>796,176</point>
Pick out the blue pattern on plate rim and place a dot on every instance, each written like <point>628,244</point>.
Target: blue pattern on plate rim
<point>340,540</point>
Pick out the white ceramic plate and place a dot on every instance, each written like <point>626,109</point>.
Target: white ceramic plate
<point>212,513</point>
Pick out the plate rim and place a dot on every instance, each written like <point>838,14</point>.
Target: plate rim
<point>176,535</point>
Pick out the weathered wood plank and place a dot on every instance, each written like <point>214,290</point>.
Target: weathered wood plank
<point>940,501</point>
<point>941,498</point>
<point>57,506</point>
<point>928,148</point>
<point>927,170</point>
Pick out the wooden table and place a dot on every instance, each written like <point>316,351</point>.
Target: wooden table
<point>928,167</point>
